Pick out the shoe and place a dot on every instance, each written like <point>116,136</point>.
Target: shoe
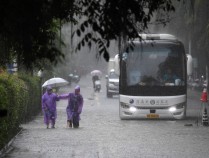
<point>69,124</point>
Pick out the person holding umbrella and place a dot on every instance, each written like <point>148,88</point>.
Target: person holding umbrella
<point>96,75</point>
<point>49,107</point>
<point>74,107</point>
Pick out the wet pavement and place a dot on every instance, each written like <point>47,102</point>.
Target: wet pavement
<point>103,135</point>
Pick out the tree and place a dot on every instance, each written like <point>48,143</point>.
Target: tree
<point>29,29</point>
<point>118,20</point>
<point>190,24</point>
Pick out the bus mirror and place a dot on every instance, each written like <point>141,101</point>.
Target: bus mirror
<point>189,65</point>
<point>125,56</point>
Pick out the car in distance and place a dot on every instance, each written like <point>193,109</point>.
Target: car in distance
<point>112,84</point>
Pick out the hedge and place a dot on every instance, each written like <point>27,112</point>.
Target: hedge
<point>21,97</point>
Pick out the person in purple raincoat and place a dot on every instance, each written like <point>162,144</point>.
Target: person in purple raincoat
<point>49,107</point>
<point>74,107</point>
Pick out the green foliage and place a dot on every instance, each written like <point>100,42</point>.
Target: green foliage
<point>34,91</point>
<point>191,25</point>
<point>21,98</point>
<point>29,28</point>
<point>4,101</point>
<point>117,19</point>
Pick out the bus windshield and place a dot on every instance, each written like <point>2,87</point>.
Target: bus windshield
<point>150,64</point>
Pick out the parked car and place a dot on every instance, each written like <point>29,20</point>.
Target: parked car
<point>112,84</point>
<point>73,78</point>
<point>205,84</point>
<point>197,85</point>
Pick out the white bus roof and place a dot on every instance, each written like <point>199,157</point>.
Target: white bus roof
<point>157,37</point>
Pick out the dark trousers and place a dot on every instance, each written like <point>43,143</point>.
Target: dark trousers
<point>74,122</point>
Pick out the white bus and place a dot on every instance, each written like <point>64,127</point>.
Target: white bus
<point>153,78</point>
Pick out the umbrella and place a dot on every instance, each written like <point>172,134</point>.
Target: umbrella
<point>96,72</point>
<point>55,82</point>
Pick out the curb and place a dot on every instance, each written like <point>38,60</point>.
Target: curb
<point>5,149</point>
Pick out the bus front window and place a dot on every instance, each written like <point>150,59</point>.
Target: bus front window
<point>158,65</point>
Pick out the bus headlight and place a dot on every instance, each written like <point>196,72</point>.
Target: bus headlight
<point>132,109</point>
<point>172,109</point>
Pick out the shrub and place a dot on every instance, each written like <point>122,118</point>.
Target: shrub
<point>20,96</point>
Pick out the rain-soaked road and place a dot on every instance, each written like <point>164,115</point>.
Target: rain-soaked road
<point>103,135</point>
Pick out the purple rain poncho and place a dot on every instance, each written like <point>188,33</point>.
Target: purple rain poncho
<point>49,107</point>
<point>75,105</point>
